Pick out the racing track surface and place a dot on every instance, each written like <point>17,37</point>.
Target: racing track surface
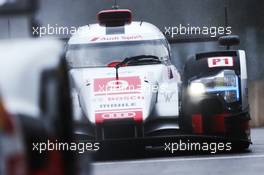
<point>233,163</point>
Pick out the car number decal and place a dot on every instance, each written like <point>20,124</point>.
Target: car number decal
<point>220,62</point>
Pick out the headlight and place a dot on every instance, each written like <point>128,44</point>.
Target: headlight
<point>224,84</point>
<point>197,88</point>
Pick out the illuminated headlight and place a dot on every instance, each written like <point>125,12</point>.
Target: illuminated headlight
<point>224,84</point>
<point>197,88</point>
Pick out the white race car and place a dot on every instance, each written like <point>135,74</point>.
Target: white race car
<point>30,113</point>
<point>123,82</point>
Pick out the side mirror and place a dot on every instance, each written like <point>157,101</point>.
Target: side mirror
<point>15,7</point>
<point>229,40</point>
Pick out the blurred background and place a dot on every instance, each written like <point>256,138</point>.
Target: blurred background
<point>244,16</point>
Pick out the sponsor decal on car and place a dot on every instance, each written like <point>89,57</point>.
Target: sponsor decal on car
<point>111,86</point>
<point>220,62</point>
<point>119,114</point>
<point>116,38</point>
<point>168,97</point>
<point>117,105</point>
<point>126,98</point>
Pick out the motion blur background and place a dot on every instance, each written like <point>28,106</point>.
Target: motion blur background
<point>244,16</point>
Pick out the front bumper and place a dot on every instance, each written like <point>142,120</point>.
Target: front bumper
<point>227,126</point>
<point>157,141</point>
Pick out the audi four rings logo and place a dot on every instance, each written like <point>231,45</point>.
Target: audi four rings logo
<point>117,84</point>
<point>119,115</point>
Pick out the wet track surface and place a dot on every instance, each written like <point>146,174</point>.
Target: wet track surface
<point>251,162</point>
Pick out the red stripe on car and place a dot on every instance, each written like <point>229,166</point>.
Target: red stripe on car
<point>197,123</point>
<point>218,125</point>
<point>6,123</point>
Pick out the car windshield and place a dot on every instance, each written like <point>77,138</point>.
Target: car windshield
<point>101,54</point>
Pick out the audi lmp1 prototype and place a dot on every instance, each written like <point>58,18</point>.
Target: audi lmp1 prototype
<point>31,114</point>
<point>125,87</point>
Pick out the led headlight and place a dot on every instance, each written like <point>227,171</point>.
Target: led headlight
<point>224,84</point>
<point>197,88</point>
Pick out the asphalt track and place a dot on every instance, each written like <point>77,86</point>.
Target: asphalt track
<point>246,163</point>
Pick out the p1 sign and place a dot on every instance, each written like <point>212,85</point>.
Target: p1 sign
<point>220,62</point>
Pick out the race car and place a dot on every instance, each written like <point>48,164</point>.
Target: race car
<point>35,108</point>
<point>215,95</point>
<point>124,86</point>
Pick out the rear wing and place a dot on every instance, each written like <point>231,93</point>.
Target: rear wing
<point>190,38</point>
